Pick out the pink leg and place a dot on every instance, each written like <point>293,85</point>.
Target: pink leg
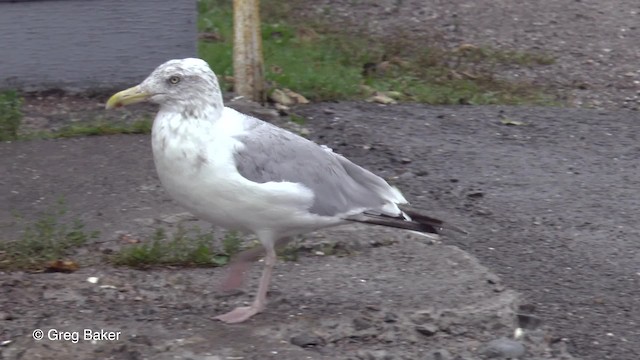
<point>243,313</point>
<point>241,263</point>
<point>239,266</point>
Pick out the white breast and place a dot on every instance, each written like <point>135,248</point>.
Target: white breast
<point>195,164</point>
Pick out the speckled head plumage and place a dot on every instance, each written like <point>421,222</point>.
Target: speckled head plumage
<point>181,85</point>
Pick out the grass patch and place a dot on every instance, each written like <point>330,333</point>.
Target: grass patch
<point>181,249</point>
<point>300,120</point>
<point>43,241</point>
<point>142,126</point>
<point>10,115</point>
<point>323,64</point>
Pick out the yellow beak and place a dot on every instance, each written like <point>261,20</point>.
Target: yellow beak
<point>125,97</point>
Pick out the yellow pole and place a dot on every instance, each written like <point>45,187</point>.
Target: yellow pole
<point>248,67</point>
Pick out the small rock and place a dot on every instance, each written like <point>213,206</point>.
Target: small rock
<point>394,94</point>
<point>528,321</point>
<point>423,316</point>
<point>361,324</point>
<point>381,99</point>
<point>427,329</point>
<point>405,160</point>
<point>390,317</point>
<point>280,97</point>
<point>483,212</point>
<point>503,348</point>
<point>374,355</point>
<point>297,98</point>
<point>440,354</point>
<point>306,340</point>
<point>372,307</point>
<point>475,195</point>
<point>518,333</point>
<point>328,111</point>
<point>5,316</point>
<point>282,109</point>
<point>178,218</point>
<point>145,221</point>
<point>493,279</point>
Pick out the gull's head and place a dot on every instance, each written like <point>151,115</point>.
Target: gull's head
<point>181,85</point>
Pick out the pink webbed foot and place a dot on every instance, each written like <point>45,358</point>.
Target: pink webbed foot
<point>239,314</point>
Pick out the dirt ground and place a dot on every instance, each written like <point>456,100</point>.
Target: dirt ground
<point>550,207</point>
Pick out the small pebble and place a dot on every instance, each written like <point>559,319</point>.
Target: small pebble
<point>528,321</point>
<point>440,354</point>
<point>504,348</point>
<point>306,340</point>
<point>361,324</point>
<point>427,329</point>
<point>374,355</point>
<point>390,317</point>
<point>475,195</point>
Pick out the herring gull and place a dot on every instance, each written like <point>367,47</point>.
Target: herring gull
<point>241,173</point>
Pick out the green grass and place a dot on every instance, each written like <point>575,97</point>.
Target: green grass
<point>10,115</point>
<point>96,128</point>
<point>46,239</point>
<point>322,64</point>
<point>142,126</point>
<point>181,249</point>
<point>300,120</point>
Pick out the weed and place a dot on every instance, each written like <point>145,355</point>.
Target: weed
<point>142,126</point>
<point>300,120</point>
<point>44,240</point>
<point>96,128</point>
<point>231,243</point>
<point>10,115</point>
<point>289,252</point>
<point>183,248</point>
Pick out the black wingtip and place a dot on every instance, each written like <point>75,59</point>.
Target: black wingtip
<point>419,222</point>
<point>395,222</point>
<point>420,217</point>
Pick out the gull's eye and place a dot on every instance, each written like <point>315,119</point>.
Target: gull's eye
<point>174,80</point>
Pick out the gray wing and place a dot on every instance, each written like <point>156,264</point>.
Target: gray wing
<point>340,186</point>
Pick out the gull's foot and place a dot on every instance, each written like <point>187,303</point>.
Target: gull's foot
<point>238,314</point>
